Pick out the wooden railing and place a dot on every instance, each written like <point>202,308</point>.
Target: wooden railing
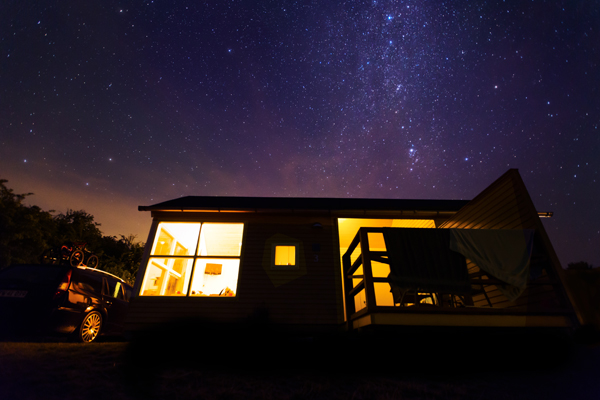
<point>542,291</point>
<point>363,259</point>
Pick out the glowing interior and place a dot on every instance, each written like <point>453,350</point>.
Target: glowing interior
<point>215,277</point>
<point>221,239</point>
<point>176,238</point>
<point>167,277</point>
<point>212,270</point>
<point>285,255</point>
<point>348,228</point>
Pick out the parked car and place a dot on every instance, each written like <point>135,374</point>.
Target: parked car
<point>76,301</point>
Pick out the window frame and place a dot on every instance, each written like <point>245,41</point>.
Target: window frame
<point>295,266</point>
<point>193,258</point>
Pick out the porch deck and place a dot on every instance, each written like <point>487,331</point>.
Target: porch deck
<point>369,301</point>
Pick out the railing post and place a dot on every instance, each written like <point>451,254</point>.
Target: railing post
<point>367,270</point>
<point>346,264</point>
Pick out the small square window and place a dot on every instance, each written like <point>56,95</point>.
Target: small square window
<point>285,256</point>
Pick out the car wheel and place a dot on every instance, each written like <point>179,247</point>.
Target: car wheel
<point>90,327</point>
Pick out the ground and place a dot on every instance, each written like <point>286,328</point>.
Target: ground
<point>59,370</point>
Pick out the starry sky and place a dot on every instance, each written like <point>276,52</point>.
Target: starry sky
<point>107,105</point>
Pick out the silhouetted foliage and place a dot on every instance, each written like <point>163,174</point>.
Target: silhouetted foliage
<point>27,231</point>
<point>121,257</point>
<point>78,226</point>
<point>24,231</point>
<point>579,265</point>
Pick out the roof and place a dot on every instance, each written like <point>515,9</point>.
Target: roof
<point>217,203</point>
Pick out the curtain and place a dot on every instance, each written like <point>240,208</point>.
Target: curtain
<point>504,254</point>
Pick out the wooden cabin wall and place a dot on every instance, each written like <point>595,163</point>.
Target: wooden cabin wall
<point>309,296</point>
<point>534,298</point>
<point>506,204</point>
<point>500,206</point>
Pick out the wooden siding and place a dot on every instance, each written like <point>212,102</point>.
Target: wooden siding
<point>501,206</point>
<point>539,297</point>
<point>506,204</point>
<point>307,296</point>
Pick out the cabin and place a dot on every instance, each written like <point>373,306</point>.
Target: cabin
<point>319,265</point>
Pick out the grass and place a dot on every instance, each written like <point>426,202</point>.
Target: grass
<point>117,370</point>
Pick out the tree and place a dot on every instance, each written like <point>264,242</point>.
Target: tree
<point>121,257</point>
<point>579,265</point>
<point>78,226</point>
<point>26,232</point>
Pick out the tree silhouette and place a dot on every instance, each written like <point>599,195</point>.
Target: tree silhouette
<point>27,231</point>
<point>24,231</point>
<point>579,265</point>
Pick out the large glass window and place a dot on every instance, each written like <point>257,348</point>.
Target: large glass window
<point>215,277</point>
<point>194,259</point>
<point>221,239</point>
<point>176,239</point>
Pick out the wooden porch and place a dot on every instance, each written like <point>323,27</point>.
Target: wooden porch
<point>369,301</point>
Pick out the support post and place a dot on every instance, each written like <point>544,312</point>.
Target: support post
<point>367,270</point>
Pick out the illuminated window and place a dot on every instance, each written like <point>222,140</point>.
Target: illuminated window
<point>221,240</point>
<point>194,259</point>
<point>176,239</point>
<point>215,277</point>
<point>284,256</point>
<point>167,277</point>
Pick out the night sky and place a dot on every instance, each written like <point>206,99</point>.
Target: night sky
<point>108,105</point>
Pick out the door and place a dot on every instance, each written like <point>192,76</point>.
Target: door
<point>116,306</point>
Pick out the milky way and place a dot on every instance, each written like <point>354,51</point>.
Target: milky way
<point>111,105</point>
